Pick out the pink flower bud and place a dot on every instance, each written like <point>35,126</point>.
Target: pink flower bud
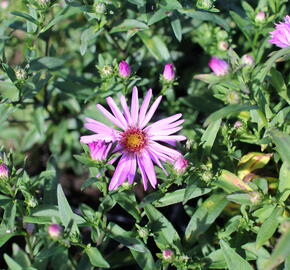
<point>168,73</point>
<point>223,45</point>
<point>180,165</point>
<point>99,150</point>
<point>4,4</point>
<point>124,69</point>
<point>281,35</point>
<point>4,172</point>
<point>167,254</point>
<point>260,17</point>
<point>238,124</point>
<point>219,66</point>
<point>54,231</point>
<point>247,60</point>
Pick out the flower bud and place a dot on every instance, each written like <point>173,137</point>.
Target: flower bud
<point>4,172</point>
<point>100,8</point>
<point>255,197</point>
<point>167,254</point>
<point>233,97</point>
<point>180,165</point>
<point>20,74</point>
<point>247,60</point>
<point>4,4</point>
<point>168,73</point>
<point>260,17</point>
<point>223,45</point>
<point>204,4</point>
<point>219,66</point>
<point>99,150</point>
<point>238,124</point>
<point>107,70</point>
<point>124,69</point>
<point>54,231</point>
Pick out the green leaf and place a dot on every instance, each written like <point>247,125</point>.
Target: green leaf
<point>5,237</point>
<point>229,111</point>
<point>25,16</point>
<point>96,257</point>
<point>155,45</point>
<point>20,256</point>
<point>282,142</point>
<point>176,26</point>
<point>144,260</point>
<point>170,4</point>
<point>280,252</point>
<point>89,182</point>
<point>243,24</point>
<point>50,251</point>
<point>159,15</point>
<point>165,234</point>
<point>269,227</point>
<point>65,212</point>
<point>13,265</point>
<point>137,2</point>
<point>51,63</point>
<point>284,183</point>
<point>279,84</point>
<point>127,201</point>
<point>130,24</point>
<point>210,134</point>
<point>126,238</point>
<point>234,260</point>
<point>204,216</point>
<point>178,196</point>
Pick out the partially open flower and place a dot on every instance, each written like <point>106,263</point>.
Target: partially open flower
<point>99,149</point>
<point>180,165</point>
<point>167,254</point>
<point>247,60</point>
<point>168,73</point>
<point>260,17</point>
<point>4,172</point>
<point>219,66</point>
<point>54,231</point>
<point>281,35</point>
<point>124,69</point>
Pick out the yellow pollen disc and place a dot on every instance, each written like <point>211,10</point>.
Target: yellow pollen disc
<point>134,140</point>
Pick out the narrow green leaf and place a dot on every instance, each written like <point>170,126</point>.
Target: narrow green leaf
<point>210,134</point>
<point>51,63</point>
<point>25,16</point>
<point>129,24</point>
<point>204,216</point>
<point>13,265</point>
<point>165,234</point>
<point>269,227</point>
<point>176,26</point>
<point>282,142</point>
<point>144,260</point>
<point>233,259</point>
<point>5,237</point>
<point>284,181</point>
<point>279,84</point>
<point>159,15</point>
<point>96,257</point>
<point>65,212</point>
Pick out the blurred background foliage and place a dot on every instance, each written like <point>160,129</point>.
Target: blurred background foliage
<point>60,58</point>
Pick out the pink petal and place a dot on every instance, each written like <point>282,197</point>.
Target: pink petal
<point>143,173</point>
<point>146,161</point>
<point>126,110</point>
<point>96,137</point>
<point>109,116</point>
<point>120,173</point>
<point>145,105</point>
<point>154,157</point>
<point>169,138</point>
<point>164,122</point>
<point>164,149</point>
<point>165,131</point>
<point>132,171</point>
<point>135,105</point>
<point>116,111</point>
<point>151,112</point>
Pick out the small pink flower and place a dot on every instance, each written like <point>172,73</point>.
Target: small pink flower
<point>238,124</point>
<point>4,172</point>
<point>167,254</point>
<point>124,69</point>
<point>99,149</point>
<point>247,60</point>
<point>4,4</point>
<point>54,231</point>
<point>168,73</point>
<point>281,35</point>
<point>223,45</point>
<point>219,66</point>
<point>139,144</point>
<point>260,17</point>
<point>180,165</point>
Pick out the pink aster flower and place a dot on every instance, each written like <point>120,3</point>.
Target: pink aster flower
<point>124,69</point>
<point>218,66</point>
<point>168,72</point>
<point>138,143</point>
<point>281,35</point>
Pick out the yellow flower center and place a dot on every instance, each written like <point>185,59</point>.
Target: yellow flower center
<point>133,140</point>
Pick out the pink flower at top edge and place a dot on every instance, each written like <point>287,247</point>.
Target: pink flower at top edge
<point>138,143</point>
<point>281,35</point>
<point>168,73</point>
<point>218,66</point>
